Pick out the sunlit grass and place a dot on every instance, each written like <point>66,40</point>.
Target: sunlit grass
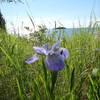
<point>78,81</point>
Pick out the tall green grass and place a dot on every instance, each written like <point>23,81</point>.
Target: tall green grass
<point>80,80</point>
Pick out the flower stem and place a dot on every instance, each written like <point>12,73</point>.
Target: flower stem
<point>53,79</point>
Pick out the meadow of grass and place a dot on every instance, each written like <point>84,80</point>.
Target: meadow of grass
<point>80,80</point>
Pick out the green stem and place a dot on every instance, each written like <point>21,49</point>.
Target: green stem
<point>54,79</point>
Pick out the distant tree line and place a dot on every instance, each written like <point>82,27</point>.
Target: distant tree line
<point>2,22</point>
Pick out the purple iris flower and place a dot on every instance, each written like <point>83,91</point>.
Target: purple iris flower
<point>54,58</point>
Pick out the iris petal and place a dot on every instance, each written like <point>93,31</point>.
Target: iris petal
<point>46,46</point>
<point>32,60</point>
<point>55,62</point>
<point>50,52</point>
<point>39,50</point>
<point>55,47</point>
<point>64,53</point>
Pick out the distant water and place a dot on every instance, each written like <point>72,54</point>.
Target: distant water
<point>68,31</point>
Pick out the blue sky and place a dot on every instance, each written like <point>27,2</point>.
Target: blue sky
<point>47,11</point>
